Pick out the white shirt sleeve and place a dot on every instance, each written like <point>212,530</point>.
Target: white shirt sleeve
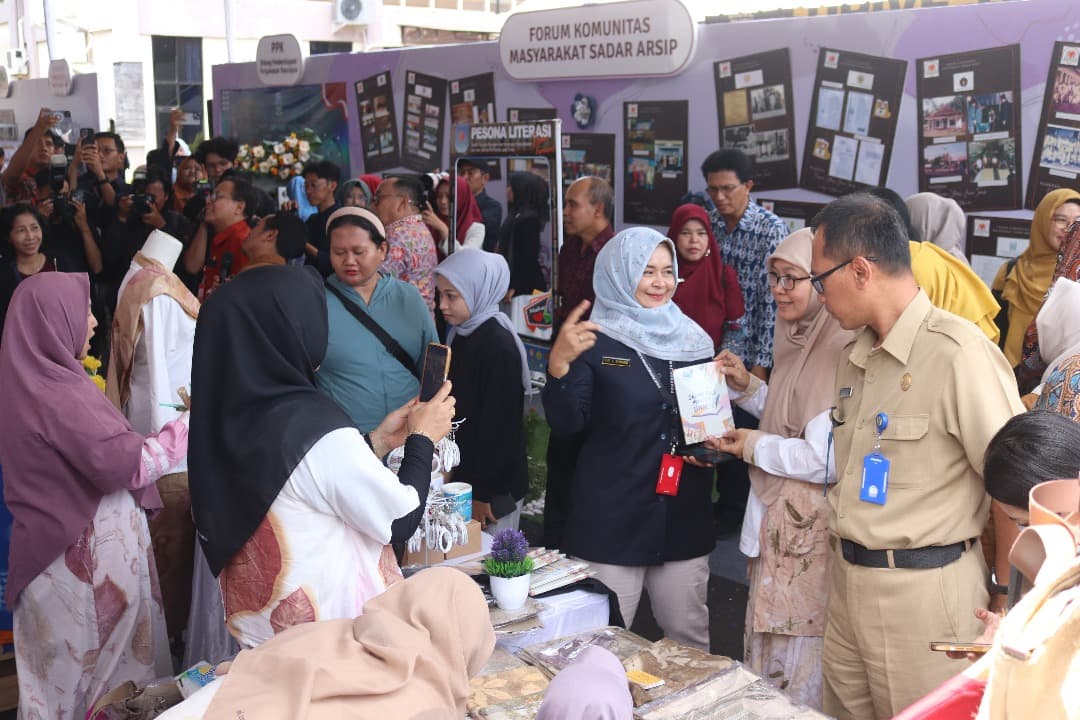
<point>340,476</point>
<point>750,539</point>
<point>755,403</point>
<point>474,236</point>
<point>802,458</point>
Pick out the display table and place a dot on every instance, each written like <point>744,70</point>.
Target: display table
<point>565,614</point>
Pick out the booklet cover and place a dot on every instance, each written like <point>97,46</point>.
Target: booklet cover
<point>704,406</point>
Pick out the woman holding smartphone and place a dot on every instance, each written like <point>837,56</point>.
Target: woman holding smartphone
<point>612,378</point>
<point>490,376</point>
<point>785,527</point>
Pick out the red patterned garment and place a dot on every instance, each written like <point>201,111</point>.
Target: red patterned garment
<point>412,256</point>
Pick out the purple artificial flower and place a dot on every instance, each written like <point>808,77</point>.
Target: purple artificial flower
<point>509,546</point>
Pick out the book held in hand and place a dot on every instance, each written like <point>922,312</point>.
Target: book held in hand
<point>704,406</point>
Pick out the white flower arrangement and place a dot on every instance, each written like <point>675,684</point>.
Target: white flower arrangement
<point>282,158</point>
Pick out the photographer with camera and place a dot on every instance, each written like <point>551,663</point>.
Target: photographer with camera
<point>105,158</point>
<point>139,212</point>
<point>70,242</point>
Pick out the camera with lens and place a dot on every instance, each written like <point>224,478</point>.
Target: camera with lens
<point>430,181</point>
<point>57,180</point>
<point>140,201</point>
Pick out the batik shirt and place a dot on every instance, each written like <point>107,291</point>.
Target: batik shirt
<point>411,256</point>
<point>754,239</point>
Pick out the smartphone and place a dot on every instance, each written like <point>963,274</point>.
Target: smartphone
<point>86,136</point>
<point>976,648</point>
<point>436,368</point>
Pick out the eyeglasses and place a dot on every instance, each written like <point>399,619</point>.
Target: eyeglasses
<point>218,195</point>
<point>1060,221</point>
<point>724,190</point>
<point>785,281</point>
<point>818,281</point>
<point>379,197</point>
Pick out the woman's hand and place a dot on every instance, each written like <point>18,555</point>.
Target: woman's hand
<point>575,337</point>
<point>481,512</point>
<point>991,622</point>
<point>430,218</point>
<point>738,377</point>
<point>392,431</point>
<point>433,418</point>
<point>733,441</point>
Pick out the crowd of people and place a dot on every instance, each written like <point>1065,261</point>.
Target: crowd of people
<point>876,383</point>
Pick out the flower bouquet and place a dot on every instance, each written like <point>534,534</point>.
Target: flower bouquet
<point>510,569</point>
<point>91,365</point>
<point>280,159</point>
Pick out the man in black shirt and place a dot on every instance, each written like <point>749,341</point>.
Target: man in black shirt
<point>321,180</point>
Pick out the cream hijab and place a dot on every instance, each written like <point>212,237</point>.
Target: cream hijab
<point>410,655</point>
<point>1058,323</point>
<point>805,357</point>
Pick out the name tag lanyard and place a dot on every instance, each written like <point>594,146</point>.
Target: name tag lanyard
<point>671,465</point>
<point>875,475</point>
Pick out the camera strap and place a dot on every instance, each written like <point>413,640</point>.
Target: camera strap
<point>392,346</point>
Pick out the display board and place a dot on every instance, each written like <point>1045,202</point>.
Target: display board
<point>425,122</point>
<point>378,126</point>
<point>472,101</point>
<point>656,139</point>
<point>993,241</point>
<point>588,154</point>
<point>795,214</point>
<point>538,141</point>
<point>755,111</point>
<point>1056,162</point>
<point>969,136</point>
<point>853,119</point>
<point>534,165</point>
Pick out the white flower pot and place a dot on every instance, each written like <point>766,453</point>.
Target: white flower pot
<point>511,593</point>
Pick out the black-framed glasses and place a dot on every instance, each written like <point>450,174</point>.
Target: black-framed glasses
<point>818,281</point>
<point>785,281</point>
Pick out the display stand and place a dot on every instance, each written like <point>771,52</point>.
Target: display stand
<point>852,122</point>
<point>756,114</point>
<point>1056,160</point>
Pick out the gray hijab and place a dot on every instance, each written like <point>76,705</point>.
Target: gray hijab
<point>482,278</point>
<point>664,332</point>
<point>939,220</point>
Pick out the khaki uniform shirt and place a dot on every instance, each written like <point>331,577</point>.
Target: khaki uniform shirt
<point>946,390</point>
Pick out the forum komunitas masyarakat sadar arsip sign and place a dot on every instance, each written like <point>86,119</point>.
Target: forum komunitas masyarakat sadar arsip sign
<point>630,39</point>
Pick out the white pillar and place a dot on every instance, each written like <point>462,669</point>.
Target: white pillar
<point>229,35</point>
<point>50,30</point>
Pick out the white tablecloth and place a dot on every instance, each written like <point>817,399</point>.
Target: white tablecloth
<point>563,615</point>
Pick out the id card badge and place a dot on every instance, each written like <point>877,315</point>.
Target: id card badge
<point>875,479</point>
<point>671,466</point>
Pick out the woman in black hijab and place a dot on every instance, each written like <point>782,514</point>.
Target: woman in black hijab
<point>521,236</point>
<point>294,510</point>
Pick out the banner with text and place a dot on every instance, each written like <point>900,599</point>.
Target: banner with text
<point>642,38</point>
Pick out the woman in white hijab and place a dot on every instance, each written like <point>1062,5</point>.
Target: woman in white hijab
<point>611,378</point>
<point>490,374</point>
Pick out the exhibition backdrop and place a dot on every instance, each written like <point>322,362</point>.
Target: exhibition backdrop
<point>888,134</point>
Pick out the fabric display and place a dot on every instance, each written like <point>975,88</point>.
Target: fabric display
<point>505,694</point>
<point>677,665</point>
<point>553,656</point>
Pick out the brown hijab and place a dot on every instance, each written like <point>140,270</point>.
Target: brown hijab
<point>805,356</point>
<point>410,655</point>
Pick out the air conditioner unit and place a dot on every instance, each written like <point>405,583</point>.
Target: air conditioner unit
<point>15,62</point>
<point>355,12</point>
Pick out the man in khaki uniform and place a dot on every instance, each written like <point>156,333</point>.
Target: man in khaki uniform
<point>926,390</point>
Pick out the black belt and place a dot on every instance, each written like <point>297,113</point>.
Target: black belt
<point>917,558</point>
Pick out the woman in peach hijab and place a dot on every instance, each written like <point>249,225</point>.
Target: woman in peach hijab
<point>410,655</point>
